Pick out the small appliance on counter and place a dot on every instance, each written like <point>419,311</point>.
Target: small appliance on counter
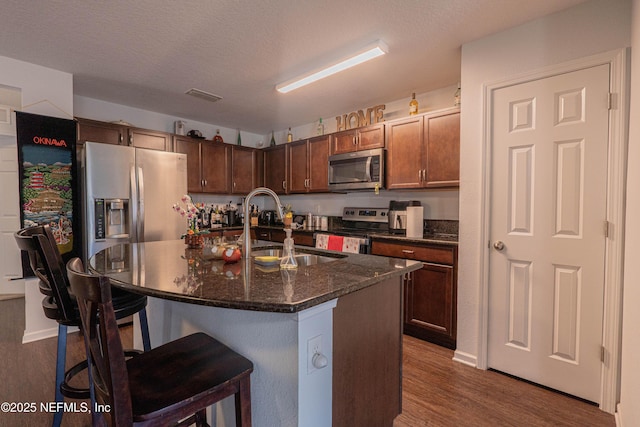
<point>398,215</point>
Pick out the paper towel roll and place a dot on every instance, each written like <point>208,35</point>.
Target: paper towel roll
<point>414,221</point>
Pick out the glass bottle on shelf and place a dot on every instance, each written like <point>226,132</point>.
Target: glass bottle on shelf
<point>239,138</point>
<point>413,105</point>
<point>320,129</point>
<point>272,143</point>
<point>456,97</point>
<point>289,136</point>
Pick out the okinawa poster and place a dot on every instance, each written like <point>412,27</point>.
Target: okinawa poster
<point>48,179</point>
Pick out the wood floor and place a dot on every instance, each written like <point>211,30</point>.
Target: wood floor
<point>436,390</point>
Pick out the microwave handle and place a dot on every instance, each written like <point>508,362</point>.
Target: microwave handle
<point>368,168</point>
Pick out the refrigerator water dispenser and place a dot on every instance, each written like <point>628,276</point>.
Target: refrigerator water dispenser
<point>112,218</point>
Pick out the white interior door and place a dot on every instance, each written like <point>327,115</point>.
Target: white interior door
<point>548,210</point>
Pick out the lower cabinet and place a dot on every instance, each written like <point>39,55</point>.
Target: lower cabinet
<point>300,238</point>
<point>430,294</point>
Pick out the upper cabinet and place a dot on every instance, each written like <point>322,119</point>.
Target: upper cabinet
<point>207,164</point>
<point>246,172</point>
<point>117,134</point>
<point>275,168</point>
<point>364,138</point>
<point>308,165</point>
<point>96,131</point>
<point>424,151</point>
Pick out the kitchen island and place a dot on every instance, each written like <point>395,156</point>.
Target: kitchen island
<point>346,310</point>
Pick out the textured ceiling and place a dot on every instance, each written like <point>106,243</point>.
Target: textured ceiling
<point>147,53</point>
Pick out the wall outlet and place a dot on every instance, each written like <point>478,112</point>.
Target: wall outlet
<point>314,345</point>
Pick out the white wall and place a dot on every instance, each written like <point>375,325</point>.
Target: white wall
<point>47,92</point>
<point>628,412</point>
<point>589,28</point>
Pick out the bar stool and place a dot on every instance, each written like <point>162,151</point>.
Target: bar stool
<point>60,305</point>
<point>163,386</point>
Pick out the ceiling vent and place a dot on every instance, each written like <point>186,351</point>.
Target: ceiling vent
<point>203,95</point>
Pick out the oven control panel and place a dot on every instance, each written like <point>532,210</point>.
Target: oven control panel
<point>365,214</point>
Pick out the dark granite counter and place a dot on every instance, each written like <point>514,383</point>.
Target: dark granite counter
<point>169,270</point>
<point>441,239</point>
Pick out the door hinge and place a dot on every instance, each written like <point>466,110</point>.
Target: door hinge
<point>606,228</point>
<point>612,100</point>
<point>602,353</point>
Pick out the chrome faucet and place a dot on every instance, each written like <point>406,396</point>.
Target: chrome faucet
<point>246,237</point>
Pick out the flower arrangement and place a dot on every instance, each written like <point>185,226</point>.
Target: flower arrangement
<point>287,218</point>
<point>193,237</point>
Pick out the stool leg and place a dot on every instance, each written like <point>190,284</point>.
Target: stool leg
<point>144,328</point>
<point>60,365</point>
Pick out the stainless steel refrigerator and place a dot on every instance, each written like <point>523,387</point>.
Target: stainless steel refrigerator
<point>129,193</point>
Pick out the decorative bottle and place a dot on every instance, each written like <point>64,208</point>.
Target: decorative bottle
<point>239,139</point>
<point>413,105</point>
<point>289,136</point>
<point>218,137</point>
<point>456,97</point>
<point>288,260</point>
<point>320,129</point>
<point>272,143</point>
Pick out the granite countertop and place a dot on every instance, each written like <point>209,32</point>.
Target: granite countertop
<point>169,270</point>
<point>441,239</point>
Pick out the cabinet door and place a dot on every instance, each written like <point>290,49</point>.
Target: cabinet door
<point>143,138</point>
<point>404,154</point>
<point>95,131</point>
<point>215,160</point>
<point>344,142</point>
<point>429,304</point>
<point>275,168</point>
<point>318,174</point>
<point>442,135</point>
<point>298,166</point>
<point>191,148</point>
<point>243,169</point>
<point>370,137</point>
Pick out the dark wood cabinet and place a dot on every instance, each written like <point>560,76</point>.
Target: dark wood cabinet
<point>150,139</point>
<point>308,165</point>
<point>207,164</point>
<point>364,138</point>
<point>97,131</point>
<point>117,134</point>
<point>275,168</point>
<point>424,151</point>
<point>430,294</point>
<point>271,234</point>
<point>244,169</point>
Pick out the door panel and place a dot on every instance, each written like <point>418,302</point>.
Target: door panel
<point>548,187</point>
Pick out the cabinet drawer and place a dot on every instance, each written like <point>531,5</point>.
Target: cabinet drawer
<point>432,254</point>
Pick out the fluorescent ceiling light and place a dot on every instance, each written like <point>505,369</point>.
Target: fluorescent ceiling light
<point>372,51</point>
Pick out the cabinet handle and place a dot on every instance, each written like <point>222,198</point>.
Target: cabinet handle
<point>284,185</point>
<point>424,174</point>
<point>131,140</point>
<point>234,184</point>
<point>407,251</point>
<point>121,139</point>
<point>353,140</point>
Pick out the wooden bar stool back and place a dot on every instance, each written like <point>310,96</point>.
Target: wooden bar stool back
<point>60,305</point>
<point>177,380</point>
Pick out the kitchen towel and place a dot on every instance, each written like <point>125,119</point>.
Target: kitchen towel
<point>351,245</point>
<point>322,240</point>
<point>415,221</point>
<point>335,243</point>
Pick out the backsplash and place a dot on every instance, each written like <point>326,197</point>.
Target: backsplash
<point>437,226</point>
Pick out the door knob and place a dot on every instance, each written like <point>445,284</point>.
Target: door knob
<point>498,245</point>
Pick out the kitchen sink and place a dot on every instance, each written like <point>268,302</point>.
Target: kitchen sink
<point>303,258</point>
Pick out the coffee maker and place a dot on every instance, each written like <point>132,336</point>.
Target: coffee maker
<point>398,215</point>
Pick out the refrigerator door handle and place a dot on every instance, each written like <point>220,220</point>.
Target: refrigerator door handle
<point>133,211</point>
<point>140,205</point>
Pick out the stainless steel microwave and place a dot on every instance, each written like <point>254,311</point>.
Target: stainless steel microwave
<point>360,170</point>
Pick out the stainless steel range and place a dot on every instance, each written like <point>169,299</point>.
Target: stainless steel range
<point>360,223</point>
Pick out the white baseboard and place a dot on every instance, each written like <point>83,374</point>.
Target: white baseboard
<point>44,333</point>
<point>618,416</point>
<point>466,358</point>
